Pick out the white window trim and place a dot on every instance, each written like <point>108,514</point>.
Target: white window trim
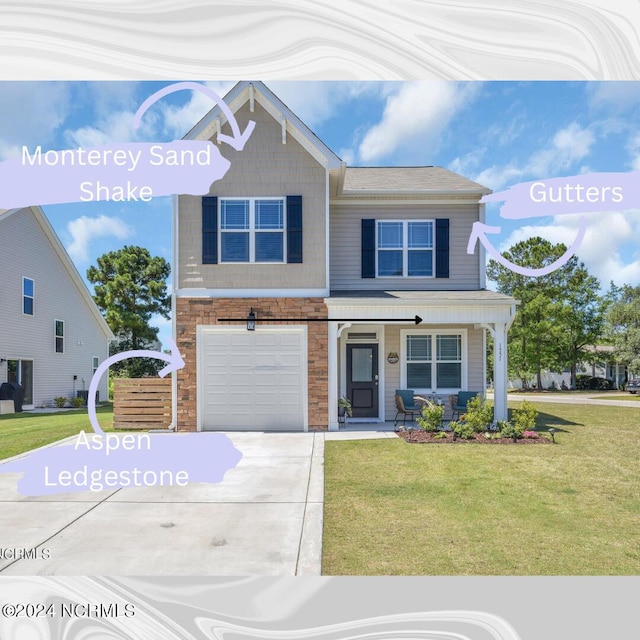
<point>434,362</point>
<point>94,368</point>
<point>33,297</point>
<point>56,336</point>
<point>405,248</point>
<point>252,229</point>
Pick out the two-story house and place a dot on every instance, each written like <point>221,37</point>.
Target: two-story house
<point>334,263</point>
<point>52,335</point>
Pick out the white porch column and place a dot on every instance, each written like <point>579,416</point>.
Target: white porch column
<point>500,370</point>
<point>333,375</point>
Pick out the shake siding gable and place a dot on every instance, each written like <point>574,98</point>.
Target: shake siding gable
<point>265,167</point>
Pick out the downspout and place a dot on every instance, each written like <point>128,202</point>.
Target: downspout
<point>174,287</point>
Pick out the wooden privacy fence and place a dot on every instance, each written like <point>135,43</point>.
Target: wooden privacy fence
<point>141,403</point>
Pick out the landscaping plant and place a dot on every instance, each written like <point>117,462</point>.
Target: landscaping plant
<point>462,430</point>
<point>479,414</point>
<point>431,417</point>
<point>524,417</point>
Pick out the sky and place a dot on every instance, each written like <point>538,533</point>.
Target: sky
<point>496,133</point>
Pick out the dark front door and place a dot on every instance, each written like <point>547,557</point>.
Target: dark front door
<point>362,379</point>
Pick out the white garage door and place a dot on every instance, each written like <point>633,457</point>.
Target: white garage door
<point>252,380</point>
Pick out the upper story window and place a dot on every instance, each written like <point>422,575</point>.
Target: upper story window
<point>28,291</point>
<point>59,335</point>
<point>405,248</point>
<point>252,230</point>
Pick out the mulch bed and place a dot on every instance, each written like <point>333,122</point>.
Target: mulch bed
<point>422,437</point>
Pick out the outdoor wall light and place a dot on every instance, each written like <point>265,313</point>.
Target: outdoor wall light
<point>2,360</point>
<point>552,432</point>
<point>251,320</point>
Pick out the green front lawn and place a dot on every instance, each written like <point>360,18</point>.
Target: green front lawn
<point>20,432</point>
<point>393,508</point>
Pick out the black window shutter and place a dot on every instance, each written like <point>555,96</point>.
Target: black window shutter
<point>442,248</point>
<point>294,229</point>
<point>368,248</point>
<point>210,230</point>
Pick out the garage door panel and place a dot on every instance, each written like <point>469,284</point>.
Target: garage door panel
<point>252,380</point>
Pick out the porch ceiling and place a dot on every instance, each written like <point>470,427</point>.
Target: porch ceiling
<point>446,307</point>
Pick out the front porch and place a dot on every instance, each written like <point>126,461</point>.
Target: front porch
<point>374,349</point>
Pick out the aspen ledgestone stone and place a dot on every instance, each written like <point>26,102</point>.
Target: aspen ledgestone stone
<point>198,311</point>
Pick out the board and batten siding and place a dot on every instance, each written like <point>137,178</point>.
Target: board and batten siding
<point>345,248</point>
<point>26,251</point>
<point>265,167</point>
<point>392,371</point>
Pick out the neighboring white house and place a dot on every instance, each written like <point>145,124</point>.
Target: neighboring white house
<point>52,335</point>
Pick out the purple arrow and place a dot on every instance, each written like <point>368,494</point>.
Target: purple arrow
<point>174,360</point>
<point>237,141</point>
<point>479,231</point>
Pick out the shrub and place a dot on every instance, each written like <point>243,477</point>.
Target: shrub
<point>60,401</point>
<point>479,414</point>
<point>524,417</point>
<point>510,430</point>
<point>431,417</point>
<point>462,430</point>
<point>593,384</point>
<point>76,402</point>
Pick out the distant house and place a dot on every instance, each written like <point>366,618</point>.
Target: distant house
<point>52,335</point>
<point>599,362</point>
<point>334,263</point>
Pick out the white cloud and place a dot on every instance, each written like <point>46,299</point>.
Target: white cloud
<point>84,230</point>
<point>347,155</point>
<point>115,127</point>
<point>315,102</point>
<point>633,148</point>
<point>569,146</point>
<point>177,121</point>
<point>613,96</point>
<point>31,113</point>
<point>608,250</point>
<point>415,116</point>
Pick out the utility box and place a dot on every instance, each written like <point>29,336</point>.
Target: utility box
<point>84,394</point>
<point>12,391</point>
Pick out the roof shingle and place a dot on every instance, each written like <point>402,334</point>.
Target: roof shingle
<point>436,179</point>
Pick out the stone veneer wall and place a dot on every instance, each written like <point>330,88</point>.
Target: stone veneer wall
<point>191,312</point>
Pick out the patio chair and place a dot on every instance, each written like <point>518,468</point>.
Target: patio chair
<point>405,404</point>
<point>459,402</point>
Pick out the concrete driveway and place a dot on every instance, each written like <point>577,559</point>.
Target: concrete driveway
<point>265,518</point>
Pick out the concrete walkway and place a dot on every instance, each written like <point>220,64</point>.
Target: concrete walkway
<point>575,398</point>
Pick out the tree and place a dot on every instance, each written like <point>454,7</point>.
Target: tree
<point>623,319</point>
<point>581,317</point>
<point>559,313</point>
<point>130,287</point>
